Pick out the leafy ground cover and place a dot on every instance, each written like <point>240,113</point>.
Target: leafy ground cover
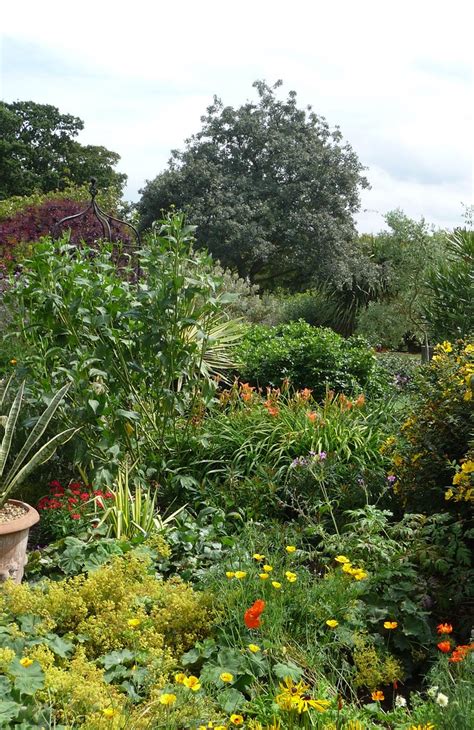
<point>216,553</point>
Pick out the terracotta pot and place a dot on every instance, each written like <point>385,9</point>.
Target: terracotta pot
<point>13,541</point>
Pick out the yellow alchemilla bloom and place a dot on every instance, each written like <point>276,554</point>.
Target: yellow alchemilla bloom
<point>226,677</point>
<point>276,584</point>
<point>133,622</point>
<point>448,494</point>
<point>239,574</point>
<point>390,624</point>
<point>192,683</point>
<point>290,549</point>
<point>109,712</point>
<point>267,568</point>
<point>332,623</point>
<point>167,699</point>
<point>347,568</point>
<point>230,574</point>
<point>342,559</point>
<point>469,349</point>
<point>263,576</point>
<point>26,661</point>
<point>254,648</point>
<point>257,556</point>
<point>237,720</point>
<point>179,678</point>
<point>291,577</point>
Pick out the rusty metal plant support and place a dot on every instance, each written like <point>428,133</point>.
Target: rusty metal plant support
<point>105,219</point>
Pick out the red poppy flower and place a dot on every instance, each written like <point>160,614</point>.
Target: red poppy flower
<point>84,496</point>
<point>252,614</point>
<point>444,646</point>
<point>75,516</point>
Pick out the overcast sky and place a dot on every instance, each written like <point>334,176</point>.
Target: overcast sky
<point>397,77</point>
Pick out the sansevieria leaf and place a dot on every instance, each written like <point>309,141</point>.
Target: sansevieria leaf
<point>10,428</point>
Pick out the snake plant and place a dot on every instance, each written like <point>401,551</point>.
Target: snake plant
<point>24,463</point>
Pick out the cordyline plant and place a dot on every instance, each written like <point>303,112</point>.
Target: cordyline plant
<point>24,463</point>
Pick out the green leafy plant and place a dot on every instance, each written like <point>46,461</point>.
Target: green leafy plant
<point>24,463</point>
<point>143,356</point>
<point>130,512</point>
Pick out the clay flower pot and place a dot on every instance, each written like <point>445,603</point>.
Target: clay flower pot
<point>13,540</point>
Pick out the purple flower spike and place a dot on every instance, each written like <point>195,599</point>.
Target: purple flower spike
<point>391,478</point>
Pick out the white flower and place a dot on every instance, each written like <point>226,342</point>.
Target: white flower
<point>400,701</point>
<point>432,692</point>
<point>98,387</point>
<point>441,699</point>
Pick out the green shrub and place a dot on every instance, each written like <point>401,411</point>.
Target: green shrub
<point>308,357</point>
<point>143,357</point>
<point>431,455</point>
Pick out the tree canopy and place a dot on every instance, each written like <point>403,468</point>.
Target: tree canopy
<point>39,152</point>
<point>271,188</point>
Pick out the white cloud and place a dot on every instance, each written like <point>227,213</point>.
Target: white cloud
<point>394,76</point>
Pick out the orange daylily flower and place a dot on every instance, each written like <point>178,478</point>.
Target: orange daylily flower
<point>444,646</point>
<point>444,628</point>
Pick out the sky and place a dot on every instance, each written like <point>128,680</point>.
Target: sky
<point>396,77</point>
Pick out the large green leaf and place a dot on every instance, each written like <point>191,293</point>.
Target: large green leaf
<point>10,428</point>
<point>38,430</point>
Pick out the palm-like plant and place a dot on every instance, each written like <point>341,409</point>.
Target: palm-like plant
<point>25,463</point>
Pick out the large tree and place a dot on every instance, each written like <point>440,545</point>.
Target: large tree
<point>39,152</point>
<point>271,188</point>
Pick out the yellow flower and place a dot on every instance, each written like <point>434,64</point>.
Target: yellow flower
<point>254,648</point>
<point>267,568</point>
<point>109,712</point>
<point>426,726</point>
<point>359,574</point>
<point>263,576</point>
<point>26,662</point>
<point>468,466</point>
<point>13,361</point>
<point>448,494</point>
<point>257,556</point>
<point>192,683</point>
<point>240,574</point>
<point>237,719</point>
<point>276,584</point>
<point>226,677</point>
<point>390,624</point>
<point>342,559</point>
<point>378,695</point>
<point>397,460</point>
<point>290,548</point>
<point>167,699</point>
<point>133,622</point>
<point>347,568</point>
<point>179,678</point>
<point>332,623</point>
<point>230,574</point>
<point>290,577</point>
<point>446,346</point>
<point>303,702</point>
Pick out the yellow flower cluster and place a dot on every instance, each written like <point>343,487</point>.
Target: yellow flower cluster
<point>375,667</point>
<point>463,481</point>
<point>265,570</point>
<point>347,567</point>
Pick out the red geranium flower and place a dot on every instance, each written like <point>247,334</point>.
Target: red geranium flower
<point>252,614</point>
